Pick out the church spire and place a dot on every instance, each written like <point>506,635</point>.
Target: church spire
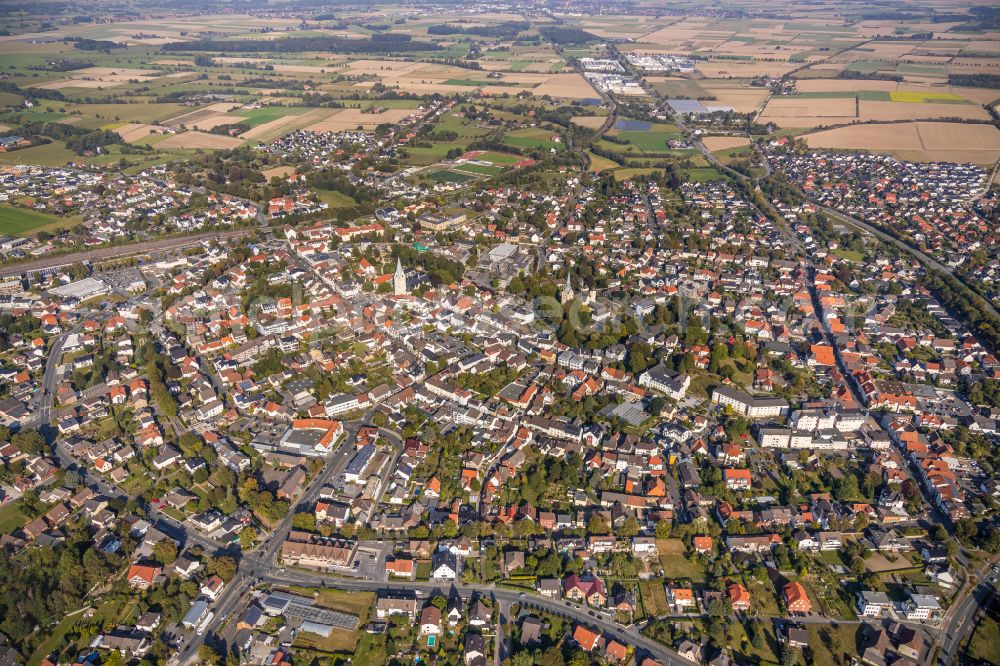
<point>567,292</point>
<point>399,279</point>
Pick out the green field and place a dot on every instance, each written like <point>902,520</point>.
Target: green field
<point>531,138</point>
<point>131,113</point>
<point>9,99</point>
<point>445,176</point>
<point>499,158</point>
<point>49,154</point>
<point>481,170</point>
<point>255,117</point>
<point>599,163</point>
<point>865,66</point>
<point>675,565</point>
<point>466,82</point>
<point>833,645</point>
<point>21,221</point>
<point>984,644</point>
<point>11,516</point>
<point>336,199</point>
<point>703,175</point>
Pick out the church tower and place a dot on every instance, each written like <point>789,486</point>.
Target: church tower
<point>399,279</point>
<point>567,292</point>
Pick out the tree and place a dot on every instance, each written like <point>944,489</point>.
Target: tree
<point>523,658</point>
<point>598,525</point>
<point>965,529</point>
<point>30,442</point>
<point>208,656</point>
<point>165,552</point>
<point>629,528</point>
<point>304,521</point>
<point>846,487</point>
<point>222,566</point>
<point>656,405</point>
<point>115,658</point>
<point>248,537</point>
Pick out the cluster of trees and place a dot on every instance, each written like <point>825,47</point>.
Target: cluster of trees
<point>386,43</point>
<point>226,130</point>
<point>262,502</point>
<point>42,584</point>
<point>966,306</point>
<point>102,45</point>
<point>975,80</point>
<point>91,141</point>
<point>157,371</point>
<point>869,76</point>
<point>487,383</point>
<point>985,392</point>
<point>440,269</point>
<point>507,30</point>
<point>57,131</point>
<point>541,479</point>
<point>16,327</point>
<point>568,36</point>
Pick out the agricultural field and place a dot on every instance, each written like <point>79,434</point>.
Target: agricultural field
<point>715,143</point>
<point>22,221</point>
<point>636,137</point>
<point>933,141</point>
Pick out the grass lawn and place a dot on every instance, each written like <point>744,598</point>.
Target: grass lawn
<point>12,518</point>
<point>833,645</point>
<point>984,645</point>
<point>336,199</point>
<point>849,255</point>
<point>22,221</point>
<point>534,137</point>
<point>499,158</point>
<point>50,154</point>
<point>473,83</point>
<point>480,169</point>
<point>10,99</point>
<point>356,603</point>
<point>675,564</point>
<point>426,156</point>
<point>445,176</point>
<point>654,597</point>
<point>599,163</point>
<point>766,654</point>
<point>702,175</point>
<point>631,172</point>
<point>423,569</point>
<point>371,649</point>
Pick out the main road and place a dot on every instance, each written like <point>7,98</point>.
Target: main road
<point>628,635</point>
<point>253,565</point>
